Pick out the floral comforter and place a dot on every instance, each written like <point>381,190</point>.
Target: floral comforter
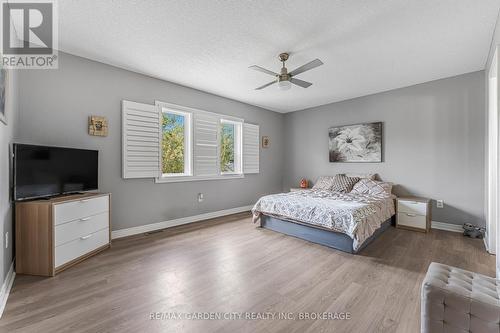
<point>357,215</point>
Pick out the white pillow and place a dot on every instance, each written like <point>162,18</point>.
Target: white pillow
<point>362,175</point>
<point>373,187</point>
<point>324,183</point>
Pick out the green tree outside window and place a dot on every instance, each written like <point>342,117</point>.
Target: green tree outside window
<point>227,148</point>
<point>173,143</point>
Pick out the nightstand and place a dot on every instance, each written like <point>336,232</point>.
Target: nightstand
<point>295,189</point>
<point>413,213</point>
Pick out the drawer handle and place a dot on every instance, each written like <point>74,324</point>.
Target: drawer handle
<point>83,201</point>
<point>86,237</point>
<point>411,215</point>
<point>85,219</point>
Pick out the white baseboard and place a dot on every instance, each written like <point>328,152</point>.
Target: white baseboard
<point>6,286</point>
<point>486,245</point>
<point>172,223</point>
<point>447,226</point>
<point>196,218</point>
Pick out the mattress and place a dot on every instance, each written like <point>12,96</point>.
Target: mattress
<point>356,215</point>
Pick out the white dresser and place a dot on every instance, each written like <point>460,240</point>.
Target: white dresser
<point>413,213</point>
<point>54,234</point>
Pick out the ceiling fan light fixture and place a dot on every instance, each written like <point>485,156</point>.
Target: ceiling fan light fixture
<point>285,79</point>
<point>284,85</point>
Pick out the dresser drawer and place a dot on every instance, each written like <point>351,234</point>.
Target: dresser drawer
<point>74,210</point>
<point>412,207</point>
<point>69,231</point>
<point>80,246</point>
<point>412,220</point>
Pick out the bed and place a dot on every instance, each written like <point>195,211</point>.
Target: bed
<point>344,221</point>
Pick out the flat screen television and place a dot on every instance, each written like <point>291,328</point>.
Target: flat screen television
<point>41,171</point>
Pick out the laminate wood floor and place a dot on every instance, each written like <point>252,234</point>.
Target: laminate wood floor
<point>228,265</point>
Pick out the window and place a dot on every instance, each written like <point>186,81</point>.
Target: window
<point>176,152</point>
<point>173,143</point>
<point>230,147</point>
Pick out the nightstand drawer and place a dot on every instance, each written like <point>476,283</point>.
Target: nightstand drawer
<point>412,207</point>
<point>412,220</point>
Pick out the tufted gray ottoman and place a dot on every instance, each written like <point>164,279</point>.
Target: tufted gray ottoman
<point>454,300</point>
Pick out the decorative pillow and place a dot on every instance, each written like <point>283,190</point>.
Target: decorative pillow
<point>362,175</point>
<point>381,188</point>
<point>342,183</point>
<point>368,186</point>
<point>323,183</point>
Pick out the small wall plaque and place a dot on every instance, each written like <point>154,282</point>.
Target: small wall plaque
<point>265,142</point>
<point>98,126</point>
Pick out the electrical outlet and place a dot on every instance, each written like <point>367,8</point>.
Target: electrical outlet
<point>7,240</point>
<point>439,203</point>
<point>200,197</point>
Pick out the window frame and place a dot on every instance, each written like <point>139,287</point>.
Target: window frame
<point>186,177</point>
<point>188,163</point>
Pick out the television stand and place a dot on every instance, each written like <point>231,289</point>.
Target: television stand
<point>53,234</point>
<point>51,197</point>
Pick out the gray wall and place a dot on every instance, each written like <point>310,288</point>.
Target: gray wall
<point>433,133</point>
<point>433,142</point>
<point>494,42</point>
<point>55,105</point>
<point>7,135</point>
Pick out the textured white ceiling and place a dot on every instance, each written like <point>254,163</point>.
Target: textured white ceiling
<point>368,46</point>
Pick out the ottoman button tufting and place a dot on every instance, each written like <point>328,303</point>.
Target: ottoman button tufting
<point>462,293</point>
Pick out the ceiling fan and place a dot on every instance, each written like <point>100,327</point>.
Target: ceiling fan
<point>285,79</point>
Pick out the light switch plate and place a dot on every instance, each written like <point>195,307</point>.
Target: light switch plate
<point>439,203</point>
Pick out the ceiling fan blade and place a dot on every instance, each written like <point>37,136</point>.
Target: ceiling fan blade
<point>266,85</point>
<point>303,84</point>
<point>310,65</point>
<point>263,70</point>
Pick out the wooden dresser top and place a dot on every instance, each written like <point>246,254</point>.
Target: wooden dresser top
<point>63,198</point>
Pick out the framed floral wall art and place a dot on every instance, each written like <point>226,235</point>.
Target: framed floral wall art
<point>356,143</point>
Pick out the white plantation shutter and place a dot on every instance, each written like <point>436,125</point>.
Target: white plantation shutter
<point>141,136</point>
<point>206,142</point>
<point>251,147</point>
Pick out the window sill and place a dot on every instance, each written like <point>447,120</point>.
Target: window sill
<point>176,175</point>
<point>178,179</point>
